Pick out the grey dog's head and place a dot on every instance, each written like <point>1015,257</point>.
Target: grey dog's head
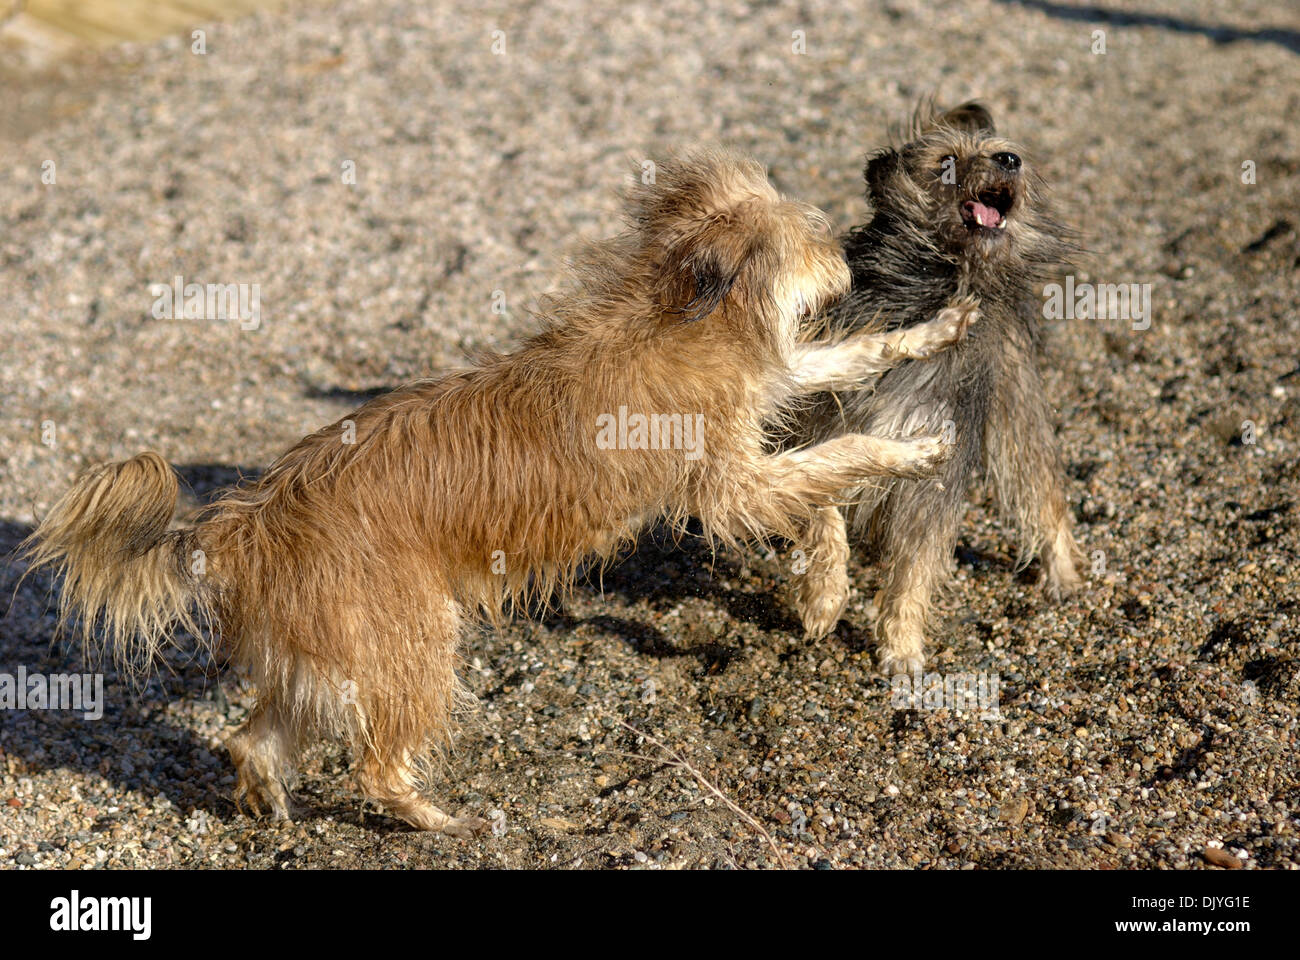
<point>977,193</point>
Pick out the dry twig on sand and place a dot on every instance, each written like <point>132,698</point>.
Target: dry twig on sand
<point>679,761</point>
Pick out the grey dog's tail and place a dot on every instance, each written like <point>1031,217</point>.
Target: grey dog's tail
<point>121,566</point>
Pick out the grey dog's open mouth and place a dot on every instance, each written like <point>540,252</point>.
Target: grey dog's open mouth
<point>988,210</point>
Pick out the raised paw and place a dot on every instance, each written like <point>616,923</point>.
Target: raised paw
<point>947,328</point>
<point>921,456</point>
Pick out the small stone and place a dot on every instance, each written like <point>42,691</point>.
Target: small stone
<point>560,824</point>
<point>1015,811</point>
<point>1222,858</point>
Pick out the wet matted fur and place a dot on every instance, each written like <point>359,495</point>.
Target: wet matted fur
<point>343,578</point>
<point>957,212</point>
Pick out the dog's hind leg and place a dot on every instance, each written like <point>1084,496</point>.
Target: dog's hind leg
<point>918,532</point>
<point>1024,465</point>
<point>408,711</point>
<point>263,751</point>
<point>822,592</point>
<point>392,781</point>
<point>794,494</point>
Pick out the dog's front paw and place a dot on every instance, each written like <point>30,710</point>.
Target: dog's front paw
<point>1058,583</point>
<point>1060,578</point>
<point>946,329</point>
<point>923,456</point>
<point>820,606</point>
<point>901,644</point>
<point>894,663</point>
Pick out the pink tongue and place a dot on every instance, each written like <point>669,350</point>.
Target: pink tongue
<point>985,216</point>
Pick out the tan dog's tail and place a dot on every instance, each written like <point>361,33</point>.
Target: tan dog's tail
<point>108,537</point>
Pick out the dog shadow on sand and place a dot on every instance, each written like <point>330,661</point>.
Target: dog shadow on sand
<point>131,736</point>
<point>150,736</point>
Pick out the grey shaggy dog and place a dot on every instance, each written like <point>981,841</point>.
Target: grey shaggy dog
<point>959,213</point>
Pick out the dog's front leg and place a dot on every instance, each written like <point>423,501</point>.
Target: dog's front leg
<point>844,365</point>
<point>819,475</point>
<point>781,492</point>
<point>795,493</point>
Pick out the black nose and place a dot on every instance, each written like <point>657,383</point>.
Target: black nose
<point>1007,161</point>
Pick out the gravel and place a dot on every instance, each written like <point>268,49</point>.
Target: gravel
<point>1148,722</point>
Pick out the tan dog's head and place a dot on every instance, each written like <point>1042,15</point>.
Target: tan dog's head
<point>721,248</point>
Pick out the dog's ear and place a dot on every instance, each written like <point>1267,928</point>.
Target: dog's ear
<point>713,281</point>
<point>708,269</point>
<point>972,116</point>
<point>880,167</point>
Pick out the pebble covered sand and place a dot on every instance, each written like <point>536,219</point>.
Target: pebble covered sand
<point>1149,721</point>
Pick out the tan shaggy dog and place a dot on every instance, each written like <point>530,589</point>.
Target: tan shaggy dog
<point>343,578</point>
